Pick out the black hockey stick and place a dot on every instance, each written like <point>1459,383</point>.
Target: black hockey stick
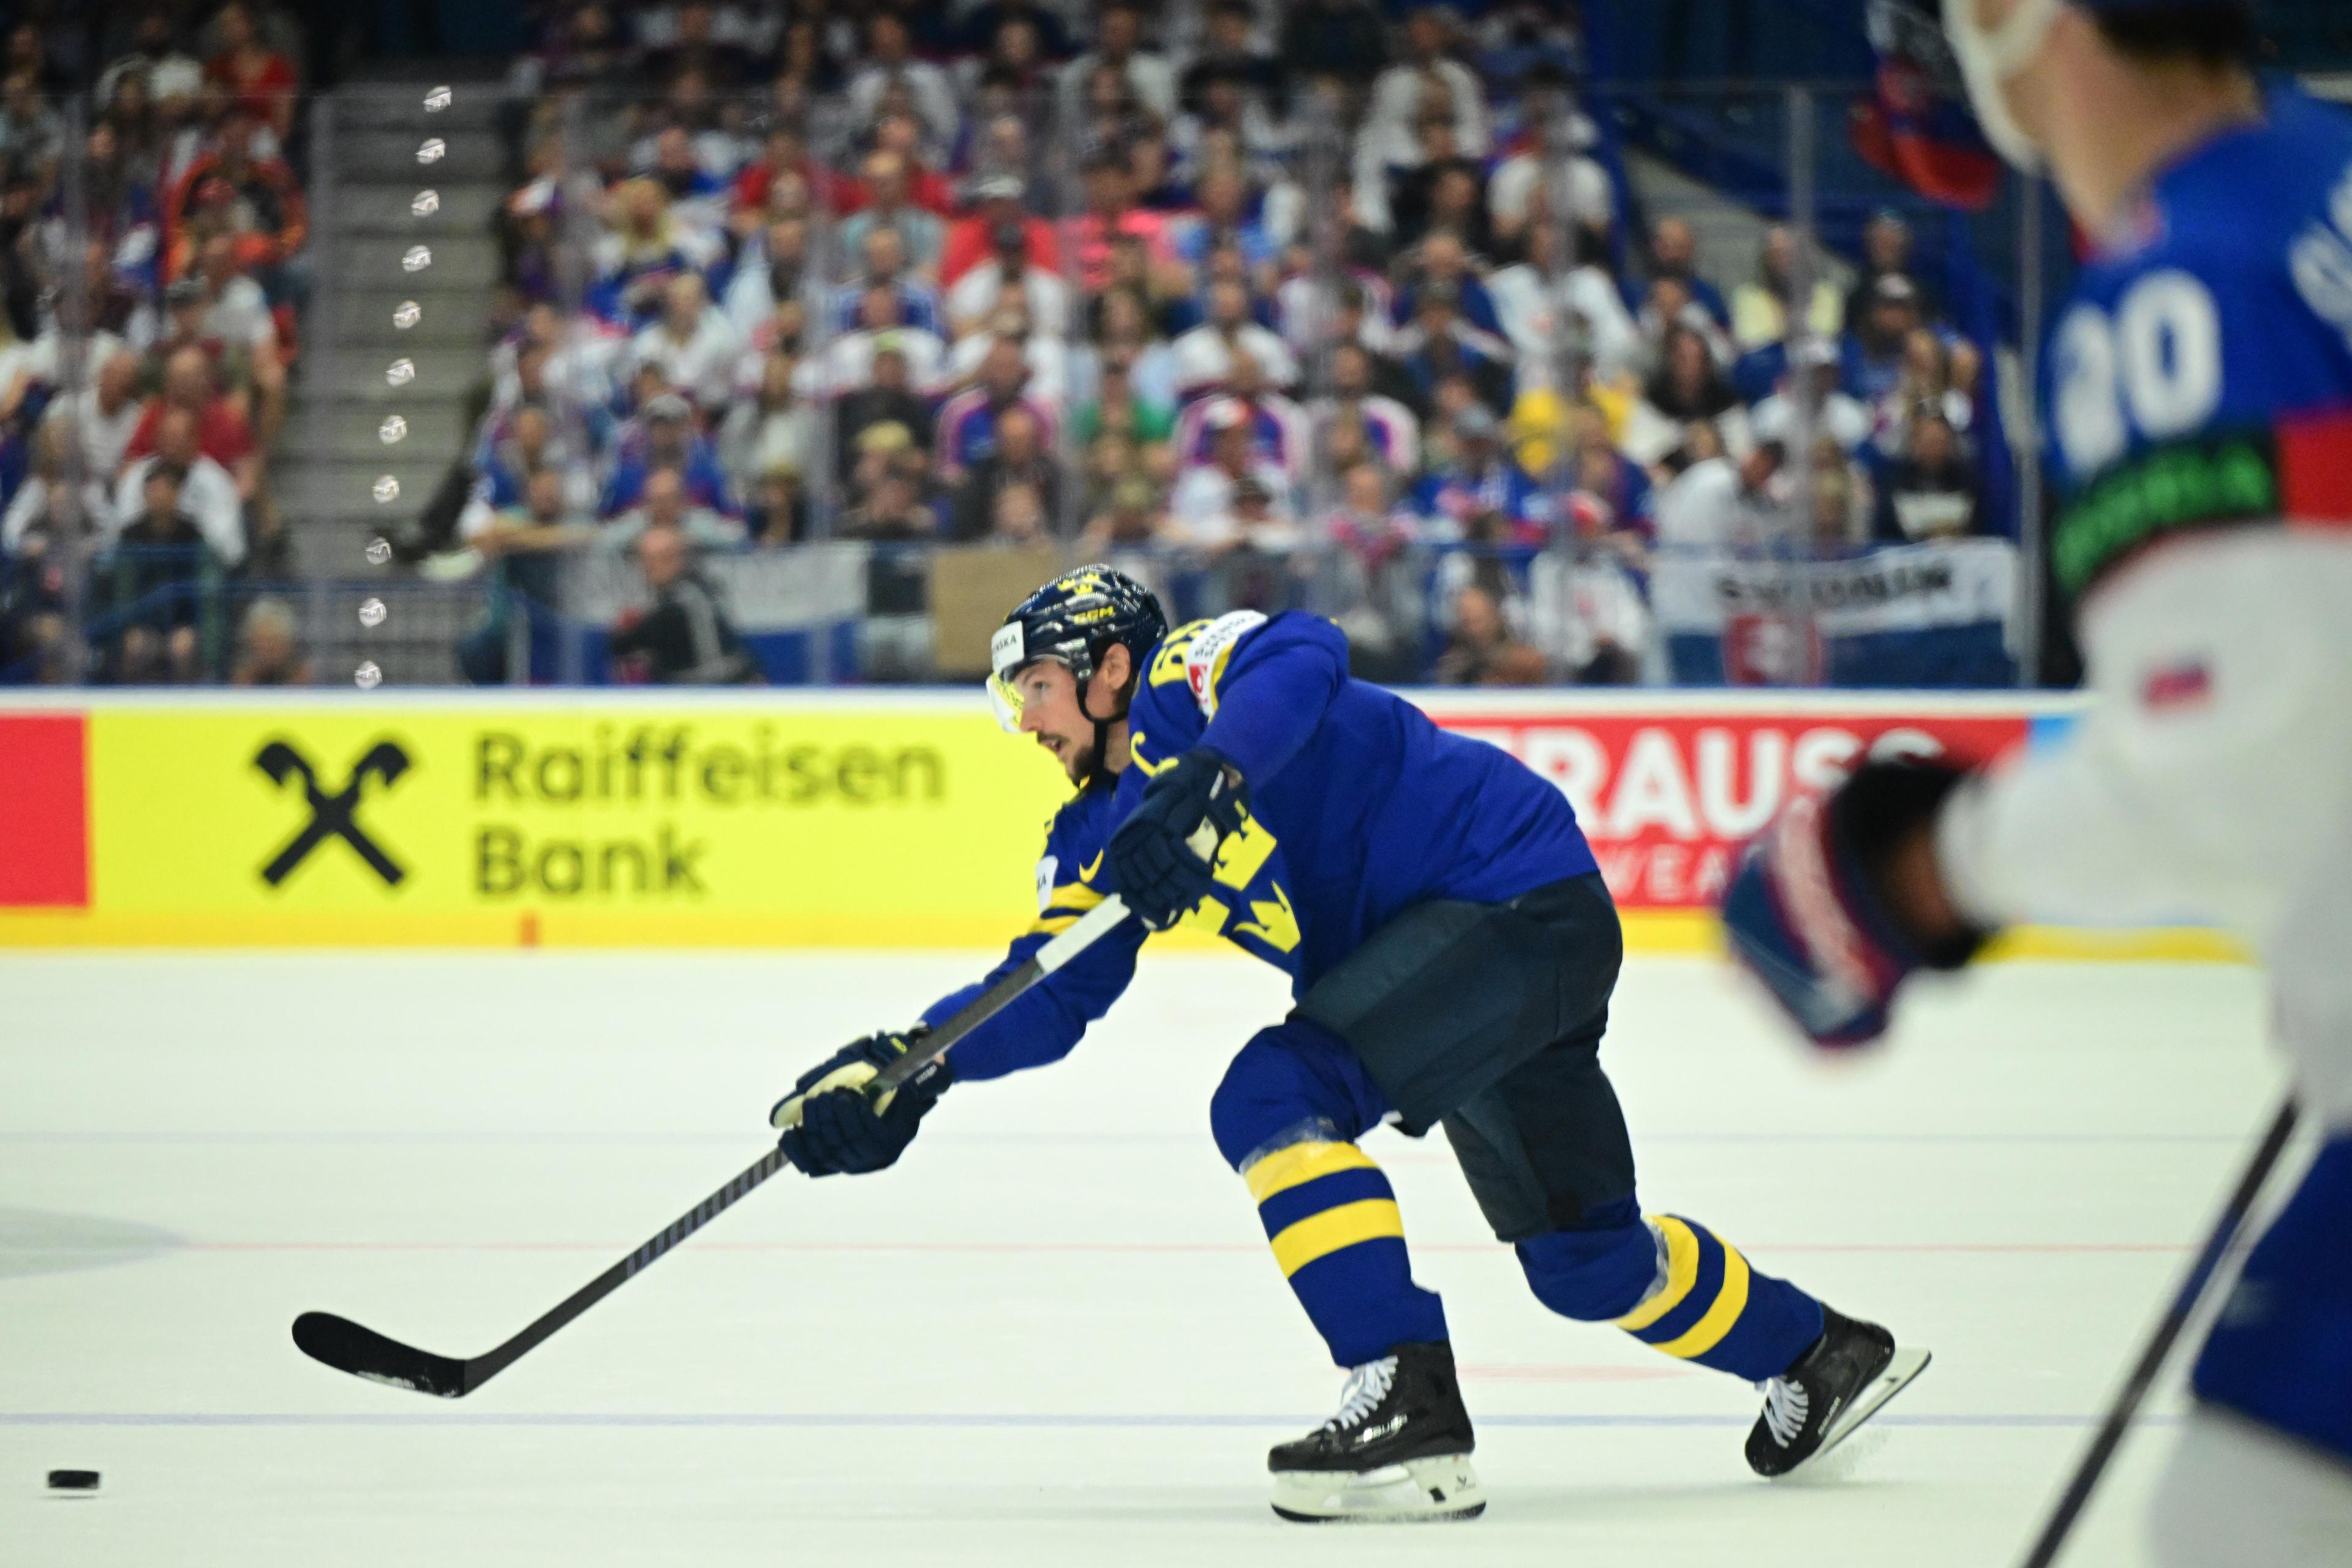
<point>2053,1538</point>
<point>349,1347</point>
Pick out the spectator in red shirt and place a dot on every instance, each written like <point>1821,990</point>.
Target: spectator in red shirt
<point>997,200</point>
<point>259,83</point>
<point>786,153</point>
<point>898,135</point>
<point>222,433</point>
<point>1111,214</point>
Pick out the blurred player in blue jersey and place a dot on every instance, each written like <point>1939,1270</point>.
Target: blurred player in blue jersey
<point>2198,403</point>
<point>1452,950</point>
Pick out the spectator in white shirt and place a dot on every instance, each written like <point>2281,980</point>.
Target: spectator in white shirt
<point>207,495</point>
<point>1042,352</point>
<point>1532,307</point>
<point>975,294</point>
<point>1716,504</point>
<point>155,60</point>
<point>889,57</point>
<point>1119,45</point>
<point>1519,195</point>
<point>769,431</point>
<point>1204,356</point>
<point>1201,509</point>
<point>1584,609</point>
<point>1424,77</point>
<point>237,313</point>
<point>1835,413</point>
<point>106,412</point>
<point>848,361</point>
<point>767,273</point>
<point>40,502</point>
<point>693,344</point>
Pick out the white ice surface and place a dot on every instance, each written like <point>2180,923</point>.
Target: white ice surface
<point>1053,1334</point>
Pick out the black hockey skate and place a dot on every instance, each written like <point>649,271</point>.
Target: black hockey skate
<point>1851,1370</point>
<point>1398,1449</point>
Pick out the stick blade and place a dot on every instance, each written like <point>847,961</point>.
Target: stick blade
<point>361,1351</point>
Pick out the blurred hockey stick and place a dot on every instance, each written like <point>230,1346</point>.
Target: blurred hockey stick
<point>2053,1538</point>
<point>351,1347</point>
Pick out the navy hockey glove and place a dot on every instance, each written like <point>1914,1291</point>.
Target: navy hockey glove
<point>832,1124</point>
<point>1807,911</point>
<point>1163,857</point>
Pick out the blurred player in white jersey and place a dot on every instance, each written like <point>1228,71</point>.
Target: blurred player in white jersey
<point>2198,403</point>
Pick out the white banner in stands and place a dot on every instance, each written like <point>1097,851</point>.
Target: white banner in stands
<point>763,590</point>
<point>1905,587</point>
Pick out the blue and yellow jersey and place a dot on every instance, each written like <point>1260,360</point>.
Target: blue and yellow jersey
<point>2201,375</point>
<point>1359,807</point>
<point>1046,1021</point>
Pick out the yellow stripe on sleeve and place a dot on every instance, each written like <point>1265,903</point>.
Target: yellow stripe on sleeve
<point>1075,897</point>
<point>1289,1167</point>
<point>1732,1301</point>
<point>1135,743</point>
<point>1319,1236</point>
<point>1682,1273</point>
<point>1053,925</point>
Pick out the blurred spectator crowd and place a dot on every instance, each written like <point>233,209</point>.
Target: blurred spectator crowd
<point>152,230</point>
<point>1332,304</point>
<point>1323,304</point>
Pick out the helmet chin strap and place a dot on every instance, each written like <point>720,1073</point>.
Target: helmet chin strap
<point>1989,58</point>
<point>1100,762</point>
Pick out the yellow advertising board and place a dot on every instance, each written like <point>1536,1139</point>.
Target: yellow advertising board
<point>626,821</point>
<point>816,818</point>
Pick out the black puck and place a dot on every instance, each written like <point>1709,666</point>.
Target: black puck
<point>73,1481</point>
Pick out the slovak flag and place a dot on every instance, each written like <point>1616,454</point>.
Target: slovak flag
<point>1917,125</point>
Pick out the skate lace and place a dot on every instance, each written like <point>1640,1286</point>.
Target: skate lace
<point>1367,1386</point>
<point>1785,1404</point>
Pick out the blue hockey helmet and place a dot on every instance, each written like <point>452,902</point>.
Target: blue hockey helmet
<point>1074,620</point>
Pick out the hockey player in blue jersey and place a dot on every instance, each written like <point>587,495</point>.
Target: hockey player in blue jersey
<point>1452,950</point>
<point>2198,403</point>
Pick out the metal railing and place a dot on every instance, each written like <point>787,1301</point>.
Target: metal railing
<point>1566,610</point>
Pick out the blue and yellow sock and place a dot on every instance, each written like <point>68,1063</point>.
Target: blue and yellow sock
<point>1701,1301</point>
<point>1714,1309</point>
<point>1332,1220</point>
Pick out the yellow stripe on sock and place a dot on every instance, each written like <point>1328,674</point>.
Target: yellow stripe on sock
<point>1287,1167</point>
<point>1682,1273</point>
<point>1319,1236</point>
<point>1729,1302</point>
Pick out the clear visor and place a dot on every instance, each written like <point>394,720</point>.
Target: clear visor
<point>1005,695</point>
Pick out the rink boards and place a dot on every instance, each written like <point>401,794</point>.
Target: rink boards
<point>518,817</point>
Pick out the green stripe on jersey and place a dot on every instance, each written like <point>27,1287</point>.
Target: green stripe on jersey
<point>2186,484</point>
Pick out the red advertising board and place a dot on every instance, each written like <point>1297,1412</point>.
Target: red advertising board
<point>44,813</point>
<point>1668,797</point>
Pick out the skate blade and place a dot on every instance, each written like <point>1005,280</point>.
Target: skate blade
<point>1417,1491</point>
<point>1906,1364</point>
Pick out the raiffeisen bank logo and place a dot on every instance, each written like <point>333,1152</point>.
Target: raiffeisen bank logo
<point>334,814</point>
